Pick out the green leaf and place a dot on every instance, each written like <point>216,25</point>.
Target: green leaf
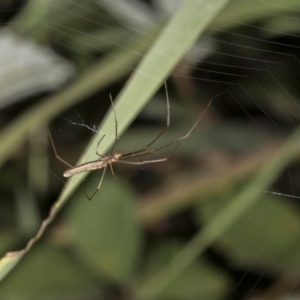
<point>46,273</point>
<point>270,226</point>
<point>199,281</point>
<point>106,232</point>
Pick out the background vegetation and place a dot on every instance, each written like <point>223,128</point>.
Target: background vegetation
<point>201,225</point>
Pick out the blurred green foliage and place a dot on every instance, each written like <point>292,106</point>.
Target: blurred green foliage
<point>195,227</point>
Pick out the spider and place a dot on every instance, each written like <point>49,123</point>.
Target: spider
<point>119,156</point>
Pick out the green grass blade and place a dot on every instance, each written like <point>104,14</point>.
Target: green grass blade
<point>111,68</point>
<point>224,220</point>
<point>241,12</point>
<point>97,77</point>
<point>176,38</point>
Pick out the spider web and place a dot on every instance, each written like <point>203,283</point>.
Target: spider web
<point>249,66</point>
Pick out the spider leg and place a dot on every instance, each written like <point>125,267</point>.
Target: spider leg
<point>151,151</point>
<point>135,154</point>
<point>99,185</point>
<point>116,125</point>
<point>57,156</point>
<point>198,120</point>
<point>98,147</point>
<point>161,132</point>
<point>112,171</point>
<point>150,161</point>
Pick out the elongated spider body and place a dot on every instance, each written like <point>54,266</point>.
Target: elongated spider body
<point>120,157</point>
<point>94,165</point>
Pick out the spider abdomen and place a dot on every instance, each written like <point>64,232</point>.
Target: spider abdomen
<point>90,166</point>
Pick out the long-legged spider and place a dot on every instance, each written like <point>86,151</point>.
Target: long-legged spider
<point>119,156</point>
